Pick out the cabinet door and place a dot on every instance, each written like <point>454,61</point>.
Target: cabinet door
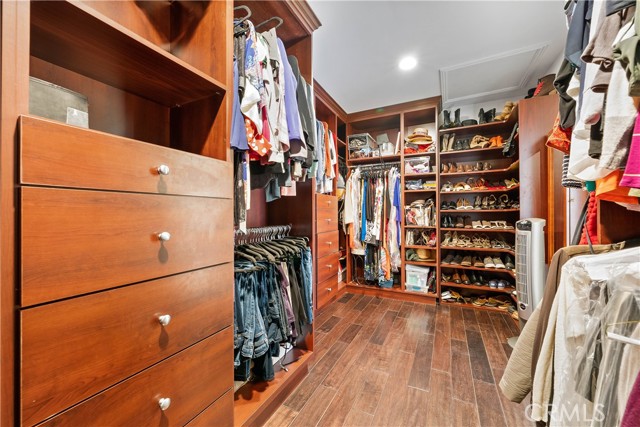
<point>75,241</point>
<point>75,348</point>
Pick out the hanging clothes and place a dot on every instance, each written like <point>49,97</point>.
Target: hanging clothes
<point>273,302</point>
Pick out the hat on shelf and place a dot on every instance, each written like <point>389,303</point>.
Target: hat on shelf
<point>418,202</point>
<point>420,136</point>
<point>422,254</point>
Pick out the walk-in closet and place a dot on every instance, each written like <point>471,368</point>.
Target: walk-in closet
<point>302,213</point>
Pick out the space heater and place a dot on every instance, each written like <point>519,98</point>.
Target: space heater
<point>531,271</point>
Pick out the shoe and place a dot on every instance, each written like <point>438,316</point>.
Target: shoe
<point>493,284</point>
<point>448,258</point>
<point>502,284</point>
<point>444,146</point>
<point>446,277</point>
<point>447,239</point>
<point>456,121</point>
<point>468,168</point>
<point>457,260</point>
<point>489,115</point>
<point>481,117</point>
<point>508,263</point>
<point>467,222</point>
<point>445,168</point>
<point>460,206</point>
<point>498,263</point>
<point>472,278</point>
<point>465,144</point>
<point>466,261</point>
<point>477,262</point>
<point>446,120</point>
<point>456,277</point>
<point>465,278</point>
<point>477,167</point>
<point>452,138</point>
<point>486,224</point>
<point>460,168</point>
<point>477,204</point>
<point>486,166</point>
<point>457,146</point>
<point>488,262</point>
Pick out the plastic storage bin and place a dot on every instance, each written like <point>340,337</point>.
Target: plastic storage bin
<point>416,278</point>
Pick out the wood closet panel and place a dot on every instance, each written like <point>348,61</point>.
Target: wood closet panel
<point>327,243</point>
<point>75,242</point>
<point>103,338</point>
<point>192,379</point>
<point>49,150</point>
<point>328,267</point>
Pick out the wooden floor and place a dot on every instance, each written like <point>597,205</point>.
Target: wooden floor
<point>382,362</point>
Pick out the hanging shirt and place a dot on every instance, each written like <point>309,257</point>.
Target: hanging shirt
<point>238,134</point>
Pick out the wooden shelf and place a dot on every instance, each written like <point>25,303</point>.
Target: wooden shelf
<point>74,36</point>
<point>485,127</point>
<point>374,160</point>
<point>477,288</point>
<point>416,175</point>
<point>425,294</point>
<point>473,150</point>
<point>433,248</point>
<point>419,226</point>
<point>478,307</point>
<point>496,250</point>
<point>486,270</point>
<point>341,143</point>
<point>497,190</point>
<point>252,400</point>
<point>481,230</point>
<point>420,191</point>
<point>396,291</point>
<point>487,172</point>
<point>425,153</point>
<point>478,210</point>
<point>433,263</point>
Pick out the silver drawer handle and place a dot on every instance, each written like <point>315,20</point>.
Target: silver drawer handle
<point>329,202</point>
<point>163,170</point>
<point>164,236</point>
<point>329,289</point>
<point>164,319</point>
<point>328,219</point>
<point>164,403</point>
<point>329,265</point>
<point>329,243</point>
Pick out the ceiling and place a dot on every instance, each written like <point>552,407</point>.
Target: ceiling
<point>467,51</point>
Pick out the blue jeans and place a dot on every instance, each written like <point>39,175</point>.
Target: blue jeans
<point>307,274</point>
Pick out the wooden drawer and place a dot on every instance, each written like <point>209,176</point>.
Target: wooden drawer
<point>325,201</point>
<point>66,156</point>
<point>219,414</point>
<point>100,339</point>
<point>326,290</point>
<point>192,379</point>
<point>327,243</point>
<point>327,220</point>
<point>328,266</point>
<point>76,241</point>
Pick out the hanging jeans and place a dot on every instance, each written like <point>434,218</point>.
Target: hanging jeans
<point>307,274</point>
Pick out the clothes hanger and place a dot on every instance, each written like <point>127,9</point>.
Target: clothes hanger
<point>244,18</point>
<point>622,338</point>
<point>274,18</point>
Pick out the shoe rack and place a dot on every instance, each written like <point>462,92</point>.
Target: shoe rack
<point>478,190</point>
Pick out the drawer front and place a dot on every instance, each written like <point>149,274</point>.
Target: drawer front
<point>325,201</point>
<point>219,414</point>
<point>75,241</point>
<point>327,243</point>
<point>327,220</point>
<point>328,266</point>
<point>192,379</point>
<point>327,290</point>
<point>103,338</point>
<point>65,156</point>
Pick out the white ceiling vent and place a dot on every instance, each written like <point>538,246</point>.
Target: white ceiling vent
<point>496,76</point>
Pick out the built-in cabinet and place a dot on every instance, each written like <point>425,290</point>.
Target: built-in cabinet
<point>117,243</point>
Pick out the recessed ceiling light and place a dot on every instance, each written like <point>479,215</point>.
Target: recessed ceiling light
<point>407,63</point>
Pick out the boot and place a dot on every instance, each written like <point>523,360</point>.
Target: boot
<point>489,115</point>
<point>445,143</point>
<point>457,121</point>
<point>446,120</point>
<point>481,118</point>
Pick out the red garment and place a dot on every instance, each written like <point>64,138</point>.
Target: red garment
<point>631,416</point>
<point>591,223</point>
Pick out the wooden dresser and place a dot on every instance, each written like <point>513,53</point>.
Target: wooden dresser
<point>117,241</point>
<point>327,249</point>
